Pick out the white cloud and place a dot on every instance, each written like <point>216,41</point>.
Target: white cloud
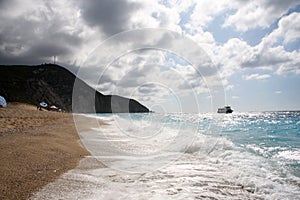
<point>257,76</point>
<point>236,55</point>
<point>257,13</point>
<point>271,53</point>
<point>288,31</point>
<point>235,97</point>
<point>156,15</point>
<point>278,92</point>
<point>230,56</point>
<point>206,10</point>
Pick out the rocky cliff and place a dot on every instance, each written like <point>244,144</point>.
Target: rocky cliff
<point>54,85</point>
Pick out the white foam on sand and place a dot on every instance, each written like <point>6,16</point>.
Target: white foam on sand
<point>180,180</point>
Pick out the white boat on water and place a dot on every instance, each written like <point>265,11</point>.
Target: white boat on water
<point>226,109</point>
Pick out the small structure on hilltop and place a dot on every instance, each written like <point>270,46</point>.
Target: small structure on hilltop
<point>3,103</point>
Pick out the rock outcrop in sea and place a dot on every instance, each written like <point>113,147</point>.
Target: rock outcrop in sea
<point>54,85</point>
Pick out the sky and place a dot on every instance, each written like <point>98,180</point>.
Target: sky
<point>171,55</point>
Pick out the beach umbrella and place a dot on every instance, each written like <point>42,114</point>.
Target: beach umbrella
<point>43,104</point>
<point>54,107</point>
<point>3,102</point>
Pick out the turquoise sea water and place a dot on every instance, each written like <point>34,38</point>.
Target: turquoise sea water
<point>260,151</point>
<point>272,135</point>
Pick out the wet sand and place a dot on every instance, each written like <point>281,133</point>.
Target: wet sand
<point>36,147</point>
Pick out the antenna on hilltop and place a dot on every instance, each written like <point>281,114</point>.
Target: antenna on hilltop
<point>54,59</point>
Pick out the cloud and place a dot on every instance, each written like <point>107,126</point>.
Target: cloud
<point>205,11</point>
<point>3,3</point>
<point>257,76</point>
<point>147,74</point>
<point>147,89</point>
<point>111,16</point>
<point>266,57</point>
<point>258,13</point>
<point>288,31</point>
<point>278,92</point>
<point>137,66</point>
<point>235,97</point>
<point>270,54</point>
<point>230,56</point>
<point>35,34</point>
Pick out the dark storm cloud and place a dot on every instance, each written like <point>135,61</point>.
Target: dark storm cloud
<point>111,16</point>
<point>25,41</point>
<point>4,3</point>
<point>36,54</point>
<point>48,49</point>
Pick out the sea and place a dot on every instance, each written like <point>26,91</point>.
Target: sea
<point>253,155</point>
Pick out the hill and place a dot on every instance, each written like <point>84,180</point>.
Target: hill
<point>54,85</point>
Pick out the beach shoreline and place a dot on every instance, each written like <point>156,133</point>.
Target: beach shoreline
<point>36,147</point>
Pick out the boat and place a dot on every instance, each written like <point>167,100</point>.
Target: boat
<point>226,109</point>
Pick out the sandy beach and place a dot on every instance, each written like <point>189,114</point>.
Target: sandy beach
<point>36,147</point>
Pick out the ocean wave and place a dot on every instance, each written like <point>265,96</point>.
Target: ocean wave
<point>289,155</point>
<point>240,160</point>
